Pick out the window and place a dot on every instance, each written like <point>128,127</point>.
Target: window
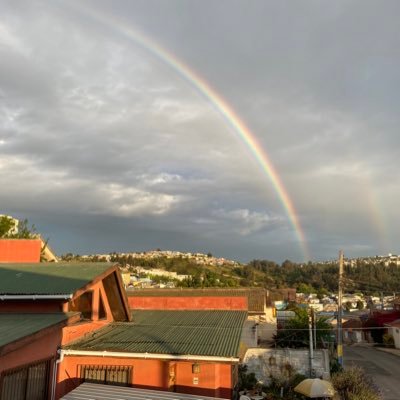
<point>107,374</point>
<point>30,382</point>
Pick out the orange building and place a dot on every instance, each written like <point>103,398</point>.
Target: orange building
<point>83,309</point>
<point>253,300</point>
<point>20,250</point>
<point>43,306</point>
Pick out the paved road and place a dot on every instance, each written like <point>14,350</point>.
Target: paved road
<point>384,368</point>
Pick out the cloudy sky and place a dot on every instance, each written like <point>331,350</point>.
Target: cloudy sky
<point>106,146</point>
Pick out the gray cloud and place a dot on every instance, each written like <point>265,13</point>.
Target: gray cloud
<point>104,146</point>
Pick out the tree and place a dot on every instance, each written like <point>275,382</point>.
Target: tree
<point>322,292</point>
<point>305,288</point>
<point>7,230</point>
<point>24,231</point>
<point>360,305</point>
<point>295,334</point>
<point>7,224</point>
<point>348,305</point>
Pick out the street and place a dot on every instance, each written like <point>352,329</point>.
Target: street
<point>383,368</point>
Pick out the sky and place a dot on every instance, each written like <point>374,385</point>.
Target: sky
<point>109,142</point>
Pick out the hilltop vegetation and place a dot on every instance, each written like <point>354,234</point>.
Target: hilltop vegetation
<point>322,278</point>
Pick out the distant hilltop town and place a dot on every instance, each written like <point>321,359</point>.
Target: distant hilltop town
<point>386,260</point>
<point>208,259</point>
<point>198,258</point>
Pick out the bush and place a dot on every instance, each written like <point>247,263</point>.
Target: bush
<point>353,384</point>
<point>335,367</point>
<point>284,385</point>
<point>388,340</point>
<point>247,380</point>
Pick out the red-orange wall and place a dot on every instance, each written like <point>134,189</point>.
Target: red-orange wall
<point>213,380</point>
<point>42,348</point>
<point>188,303</point>
<point>20,250</point>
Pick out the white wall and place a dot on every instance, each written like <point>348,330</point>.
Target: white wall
<point>279,362</point>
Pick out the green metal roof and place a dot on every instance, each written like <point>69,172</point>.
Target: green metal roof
<point>48,278</point>
<point>205,333</point>
<point>17,326</point>
<point>256,297</point>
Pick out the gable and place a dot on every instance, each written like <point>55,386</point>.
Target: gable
<point>48,278</point>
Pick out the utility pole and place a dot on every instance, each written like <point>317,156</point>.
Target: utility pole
<point>314,325</point>
<point>339,322</point>
<point>310,330</point>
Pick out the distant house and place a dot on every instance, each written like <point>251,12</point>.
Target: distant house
<point>63,324</point>
<point>287,295</point>
<point>394,330</point>
<point>353,331</point>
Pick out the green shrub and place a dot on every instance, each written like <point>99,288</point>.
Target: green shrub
<point>247,380</point>
<point>388,340</point>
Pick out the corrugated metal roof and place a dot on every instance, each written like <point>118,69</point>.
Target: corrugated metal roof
<point>107,392</point>
<point>256,297</point>
<point>203,333</point>
<point>48,278</point>
<point>17,326</point>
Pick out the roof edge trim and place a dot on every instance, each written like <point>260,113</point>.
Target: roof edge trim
<point>186,357</point>
<point>35,296</point>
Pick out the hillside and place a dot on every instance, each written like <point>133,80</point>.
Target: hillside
<point>370,276</point>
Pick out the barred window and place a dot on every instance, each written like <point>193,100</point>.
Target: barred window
<point>30,382</point>
<point>107,374</point>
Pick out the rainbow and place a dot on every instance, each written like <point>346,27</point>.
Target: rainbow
<point>220,104</point>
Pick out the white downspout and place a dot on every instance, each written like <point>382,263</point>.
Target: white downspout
<point>55,370</point>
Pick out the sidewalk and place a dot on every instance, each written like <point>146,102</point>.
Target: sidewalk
<point>396,352</point>
<point>390,350</point>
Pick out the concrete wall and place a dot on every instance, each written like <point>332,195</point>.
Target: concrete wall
<point>285,362</point>
<point>267,328</point>
<point>395,332</point>
<point>20,250</point>
<point>188,303</point>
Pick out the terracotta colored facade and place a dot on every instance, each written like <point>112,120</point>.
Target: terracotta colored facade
<point>20,250</point>
<point>44,345</point>
<point>213,379</point>
<point>41,347</point>
<point>188,303</point>
<point>96,305</point>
